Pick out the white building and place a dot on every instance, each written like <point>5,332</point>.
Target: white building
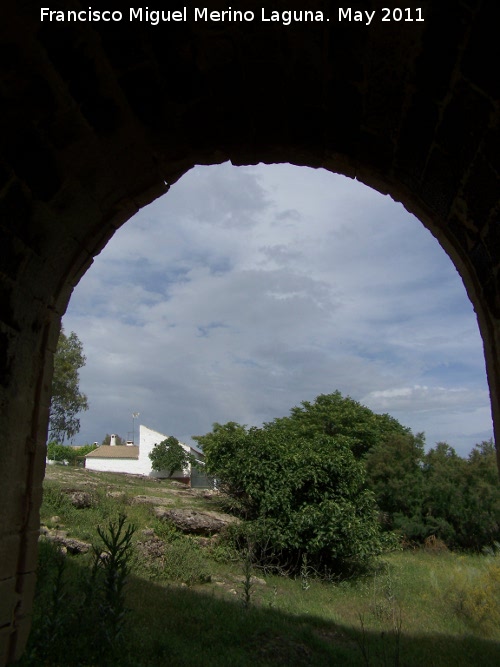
<point>134,459</point>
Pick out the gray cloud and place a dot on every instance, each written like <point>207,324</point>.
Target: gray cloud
<point>247,290</point>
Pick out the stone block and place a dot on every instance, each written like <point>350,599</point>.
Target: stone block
<point>9,599</point>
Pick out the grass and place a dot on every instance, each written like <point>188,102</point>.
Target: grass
<point>192,603</point>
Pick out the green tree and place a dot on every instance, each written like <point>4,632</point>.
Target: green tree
<point>58,452</point>
<point>335,415</point>
<point>303,496</point>
<point>226,444</point>
<point>444,507</point>
<point>394,474</point>
<point>170,455</point>
<point>482,495</point>
<point>67,399</point>
<point>438,492</point>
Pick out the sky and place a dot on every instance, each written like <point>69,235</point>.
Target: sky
<point>246,290</point>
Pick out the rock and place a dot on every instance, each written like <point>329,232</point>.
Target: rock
<point>150,500</point>
<point>76,546</point>
<point>152,549</point>
<point>194,522</point>
<point>117,495</point>
<point>79,499</point>
<point>70,544</point>
<point>253,580</point>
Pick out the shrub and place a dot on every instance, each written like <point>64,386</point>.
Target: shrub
<point>184,563</point>
<point>55,501</point>
<point>300,495</point>
<point>475,595</point>
<point>81,614</point>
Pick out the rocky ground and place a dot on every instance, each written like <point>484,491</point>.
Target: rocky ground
<point>193,512</point>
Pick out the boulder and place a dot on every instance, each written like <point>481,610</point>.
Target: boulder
<point>150,500</point>
<point>79,499</point>
<point>194,522</point>
<point>61,538</point>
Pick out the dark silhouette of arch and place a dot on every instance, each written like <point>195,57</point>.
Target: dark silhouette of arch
<point>98,118</point>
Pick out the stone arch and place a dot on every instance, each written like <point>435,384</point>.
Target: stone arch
<point>98,119</point>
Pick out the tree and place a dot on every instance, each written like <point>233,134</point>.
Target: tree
<point>482,525</point>
<point>335,415</point>
<point>67,399</point>
<point>436,492</point>
<point>303,496</point>
<point>57,452</point>
<point>170,455</point>
<point>394,474</point>
<point>444,506</point>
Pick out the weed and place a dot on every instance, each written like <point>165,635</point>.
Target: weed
<point>55,501</point>
<point>50,631</point>
<point>184,563</point>
<point>475,595</point>
<point>360,619</point>
<point>434,545</point>
<point>166,531</point>
<point>304,573</point>
<point>224,553</point>
<point>247,576</point>
<point>386,610</point>
<point>112,566</point>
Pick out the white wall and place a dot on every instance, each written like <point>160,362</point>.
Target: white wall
<point>141,466</point>
<point>148,439</point>
<point>114,465</point>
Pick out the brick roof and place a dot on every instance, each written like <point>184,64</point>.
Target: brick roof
<point>115,452</point>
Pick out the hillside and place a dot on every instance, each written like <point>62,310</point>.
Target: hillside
<point>193,599</point>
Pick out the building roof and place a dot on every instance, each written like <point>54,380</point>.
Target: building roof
<point>115,452</point>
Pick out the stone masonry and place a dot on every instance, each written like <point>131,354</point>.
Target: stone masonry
<point>99,118</point>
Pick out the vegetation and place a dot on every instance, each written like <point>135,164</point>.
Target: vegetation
<point>437,493</point>
<point>67,399</point>
<point>58,452</point>
<point>170,455</point>
<point>299,495</point>
<point>286,473</point>
<point>334,415</point>
<point>91,605</point>
<point>421,606</point>
<point>308,574</point>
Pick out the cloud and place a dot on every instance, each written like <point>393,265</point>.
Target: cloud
<point>245,291</point>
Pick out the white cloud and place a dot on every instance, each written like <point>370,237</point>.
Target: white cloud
<point>247,290</point>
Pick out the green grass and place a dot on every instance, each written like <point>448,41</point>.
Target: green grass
<point>186,599</point>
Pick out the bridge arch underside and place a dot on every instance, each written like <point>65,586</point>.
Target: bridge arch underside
<point>98,120</point>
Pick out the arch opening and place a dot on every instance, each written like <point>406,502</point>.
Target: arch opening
<point>244,291</point>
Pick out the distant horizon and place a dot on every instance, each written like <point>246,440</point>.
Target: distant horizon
<point>247,290</point>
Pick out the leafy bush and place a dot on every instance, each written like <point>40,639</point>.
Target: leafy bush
<point>184,563</point>
<point>58,452</point>
<point>166,531</point>
<point>55,501</point>
<point>300,495</point>
<point>475,596</point>
<point>436,492</point>
<point>334,415</point>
